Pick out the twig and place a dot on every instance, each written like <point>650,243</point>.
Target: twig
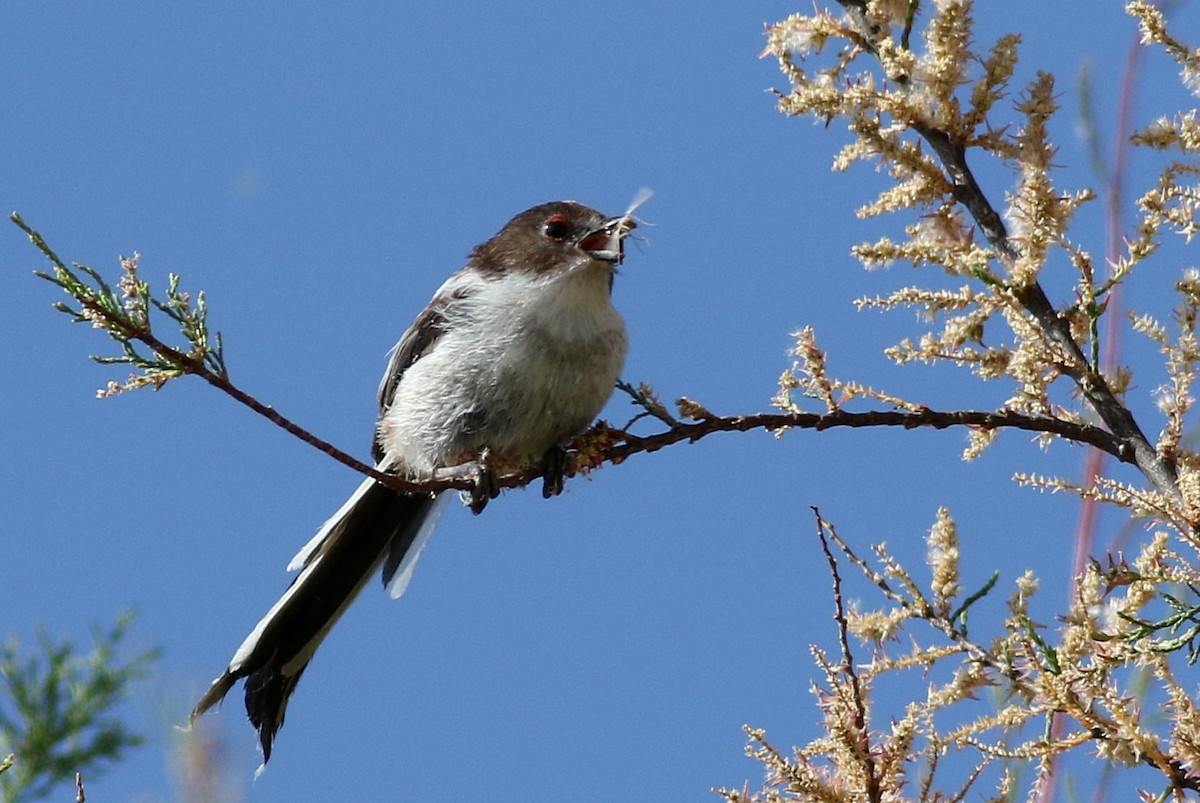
<point>843,626</point>
<point>186,363</point>
<point>196,367</point>
<point>642,396</point>
<point>924,418</point>
<point>1033,299</point>
<point>922,610</point>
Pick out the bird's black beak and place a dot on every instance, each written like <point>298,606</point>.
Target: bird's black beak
<point>607,241</point>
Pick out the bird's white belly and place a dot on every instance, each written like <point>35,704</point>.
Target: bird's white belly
<point>519,394</point>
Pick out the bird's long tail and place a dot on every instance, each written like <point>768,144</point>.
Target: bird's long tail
<point>376,527</point>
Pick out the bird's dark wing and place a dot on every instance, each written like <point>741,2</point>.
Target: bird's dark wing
<point>416,342</point>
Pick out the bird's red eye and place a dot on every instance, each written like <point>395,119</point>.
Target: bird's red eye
<point>557,228</point>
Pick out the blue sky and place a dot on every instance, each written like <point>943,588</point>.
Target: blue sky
<point>318,172</point>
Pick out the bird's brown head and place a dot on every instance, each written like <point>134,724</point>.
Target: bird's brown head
<point>560,235</point>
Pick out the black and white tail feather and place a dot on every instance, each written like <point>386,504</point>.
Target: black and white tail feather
<point>377,527</point>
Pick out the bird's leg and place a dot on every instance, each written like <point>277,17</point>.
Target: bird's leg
<point>554,471</point>
<point>486,488</point>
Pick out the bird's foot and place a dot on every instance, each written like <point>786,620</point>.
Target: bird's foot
<point>554,471</point>
<point>486,488</point>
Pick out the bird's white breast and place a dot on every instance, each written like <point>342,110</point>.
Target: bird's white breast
<point>525,363</point>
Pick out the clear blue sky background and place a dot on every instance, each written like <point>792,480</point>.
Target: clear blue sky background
<point>319,170</point>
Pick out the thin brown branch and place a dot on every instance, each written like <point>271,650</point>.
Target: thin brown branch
<point>923,611</point>
<point>925,418</point>
<point>191,365</point>
<point>1173,768</point>
<point>874,792</point>
<point>1056,328</point>
<point>628,444</point>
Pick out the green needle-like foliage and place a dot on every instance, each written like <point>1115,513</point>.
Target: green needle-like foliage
<point>56,711</point>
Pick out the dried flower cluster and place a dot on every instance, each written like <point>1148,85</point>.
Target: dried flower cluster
<point>1107,680</point>
<point>941,745</point>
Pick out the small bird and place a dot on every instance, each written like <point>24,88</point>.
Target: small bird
<point>513,357</point>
